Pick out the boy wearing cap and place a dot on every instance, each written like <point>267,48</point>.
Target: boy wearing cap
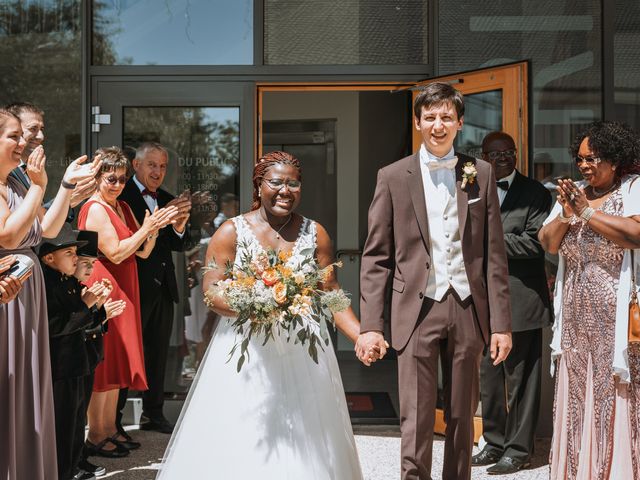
<point>87,255</point>
<point>71,309</point>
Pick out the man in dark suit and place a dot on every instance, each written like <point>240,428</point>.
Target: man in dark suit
<point>158,286</point>
<point>510,392</point>
<point>435,234</point>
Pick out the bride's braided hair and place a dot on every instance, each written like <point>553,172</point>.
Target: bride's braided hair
<point>263,164</point>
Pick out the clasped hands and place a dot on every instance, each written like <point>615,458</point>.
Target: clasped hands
<point>571,197</point>
<point>371,347</point>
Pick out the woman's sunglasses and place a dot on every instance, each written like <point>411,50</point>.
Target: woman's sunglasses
<point>588,160</point>
<point>112,179</point>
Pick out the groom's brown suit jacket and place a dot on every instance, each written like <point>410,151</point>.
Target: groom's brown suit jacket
<point>397,249</point>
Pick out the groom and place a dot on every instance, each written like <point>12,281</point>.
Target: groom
<point>435,233</point>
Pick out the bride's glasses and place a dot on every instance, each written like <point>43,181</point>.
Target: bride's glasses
<point>278,184</point>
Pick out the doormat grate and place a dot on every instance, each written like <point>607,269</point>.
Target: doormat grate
<point>370,405</point>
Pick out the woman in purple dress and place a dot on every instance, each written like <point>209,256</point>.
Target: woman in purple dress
<point>27,432</point>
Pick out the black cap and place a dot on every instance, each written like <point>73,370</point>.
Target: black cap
<point>91,248</point>
<point>66,238</point>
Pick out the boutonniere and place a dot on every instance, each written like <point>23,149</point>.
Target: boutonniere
<point>469,174</point>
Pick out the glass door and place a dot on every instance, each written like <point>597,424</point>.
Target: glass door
<point>206,128</point>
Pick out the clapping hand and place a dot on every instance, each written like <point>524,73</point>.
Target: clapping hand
<point>106,291</point>
<point>183,204</point>
<point>113,308</point>
<point>571,197</point>
<point>78,170</point>
<point>160,218</point>
<point>370,347</point>
<point>91,295</point>
<point>84,189</point>
<point>36,167</point>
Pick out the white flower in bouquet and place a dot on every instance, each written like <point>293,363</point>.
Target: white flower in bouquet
<point>262,297</point>
<point>336,300</point>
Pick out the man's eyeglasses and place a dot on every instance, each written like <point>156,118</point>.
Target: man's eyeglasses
<point>495,155</point>
<point>587,160</point>
<point>277,184</point>
<point>112,179</point>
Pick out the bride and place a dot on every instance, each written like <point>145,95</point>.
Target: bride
<point>282,416</point>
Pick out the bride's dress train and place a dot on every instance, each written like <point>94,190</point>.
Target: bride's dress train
<point>283,417</point>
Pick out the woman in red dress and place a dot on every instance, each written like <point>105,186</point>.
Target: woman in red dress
<point>120,239</point>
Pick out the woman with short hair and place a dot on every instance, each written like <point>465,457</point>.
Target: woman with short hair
<point>120,240</point>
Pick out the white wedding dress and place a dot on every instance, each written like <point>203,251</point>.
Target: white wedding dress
<point>283,417</point>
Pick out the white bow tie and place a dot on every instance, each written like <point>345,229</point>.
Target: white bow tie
<point>449,163</point>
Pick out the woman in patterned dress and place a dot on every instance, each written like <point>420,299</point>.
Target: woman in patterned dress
<point>593,226</point>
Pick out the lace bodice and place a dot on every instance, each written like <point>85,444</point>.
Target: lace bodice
<point>248,242</point>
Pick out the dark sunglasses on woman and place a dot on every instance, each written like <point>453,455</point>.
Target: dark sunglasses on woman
<point>112,179</point>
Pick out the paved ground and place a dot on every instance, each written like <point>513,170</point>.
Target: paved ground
<point>379,449</point>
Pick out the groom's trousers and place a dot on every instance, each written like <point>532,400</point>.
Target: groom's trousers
<point>447,329</point>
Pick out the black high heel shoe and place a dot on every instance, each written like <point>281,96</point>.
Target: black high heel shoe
<point>98,449</point>
<point>126,444</point>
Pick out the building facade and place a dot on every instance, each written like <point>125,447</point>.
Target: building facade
<point>221,81</point>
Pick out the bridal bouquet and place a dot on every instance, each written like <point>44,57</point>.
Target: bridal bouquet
<point>279,293</point>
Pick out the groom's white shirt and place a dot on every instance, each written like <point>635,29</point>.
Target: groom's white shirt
<point>447,264</point>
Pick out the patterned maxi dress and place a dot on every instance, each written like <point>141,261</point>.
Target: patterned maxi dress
<point>595,416</point>
<point>27,431</point>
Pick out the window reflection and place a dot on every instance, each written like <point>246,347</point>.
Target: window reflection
<point>172,32</point>
<point>371,32</point>
<point>627,62</point>
<point>204,157</point>
<point>482,115</point>
<point>562,41</point>
<point>40,60</point>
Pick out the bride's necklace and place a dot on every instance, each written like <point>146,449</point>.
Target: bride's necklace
<point>281,226</point>
<point>599,194</point>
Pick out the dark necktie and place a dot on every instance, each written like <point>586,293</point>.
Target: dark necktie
<point>151,194</point>
<point>503,185</point>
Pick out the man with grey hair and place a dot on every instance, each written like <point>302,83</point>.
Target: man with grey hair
<point>156,274</point>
